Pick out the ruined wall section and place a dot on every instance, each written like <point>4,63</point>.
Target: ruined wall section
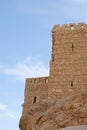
<point>68,67</point>
<point>36,89</point>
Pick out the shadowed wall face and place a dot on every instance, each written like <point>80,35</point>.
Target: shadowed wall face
<point>68,67</point>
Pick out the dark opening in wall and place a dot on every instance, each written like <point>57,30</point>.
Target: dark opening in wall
<point>35,99</point>
<point>72,47</point>
<point>72,83</point>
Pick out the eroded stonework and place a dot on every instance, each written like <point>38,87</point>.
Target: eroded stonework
<point>67,79</point>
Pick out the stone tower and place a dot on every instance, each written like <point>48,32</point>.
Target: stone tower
<point>67,76</point>
<point>68,66</point>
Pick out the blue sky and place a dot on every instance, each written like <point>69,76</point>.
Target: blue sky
<point>25,47</point>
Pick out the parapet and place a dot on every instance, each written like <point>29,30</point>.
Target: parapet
<point>69,27</point>
<point>38,80</point>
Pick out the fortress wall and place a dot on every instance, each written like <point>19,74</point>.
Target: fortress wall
<point>68,75</point>
<point>68,66</point>
<point>36,90</point>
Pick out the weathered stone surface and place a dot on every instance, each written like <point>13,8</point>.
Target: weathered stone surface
<point>59,100</point>
<point>71,111</point>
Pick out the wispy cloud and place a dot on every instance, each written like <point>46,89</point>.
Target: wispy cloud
<point>3,107</point>
<point>27,68</point>
<point>13,115</point>
<point>6,112</point>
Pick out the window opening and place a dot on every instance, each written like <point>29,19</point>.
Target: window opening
<point>72,83</point>
<point>72,47</point>
<point>35,98</point>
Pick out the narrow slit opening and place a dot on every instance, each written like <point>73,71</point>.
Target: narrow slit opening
<point>72,47</point>
<point>72,83</point>
<point>35,98</point>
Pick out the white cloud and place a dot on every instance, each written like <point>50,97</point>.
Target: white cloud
<point>27,68</point>
<point>3,107</point>
<point>7,112</point>
<point>11,115</point>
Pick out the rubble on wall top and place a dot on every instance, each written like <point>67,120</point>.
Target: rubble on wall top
<point>71,26</point>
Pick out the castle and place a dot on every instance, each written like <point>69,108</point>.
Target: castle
<point>68,66</point>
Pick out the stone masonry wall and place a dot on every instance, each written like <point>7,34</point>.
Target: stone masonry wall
<point>68,67</point>
<point>36,89</point>
<point>67,80</point>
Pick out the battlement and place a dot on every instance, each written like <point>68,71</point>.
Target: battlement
<point>39,80</point>
<point>69,27</point>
